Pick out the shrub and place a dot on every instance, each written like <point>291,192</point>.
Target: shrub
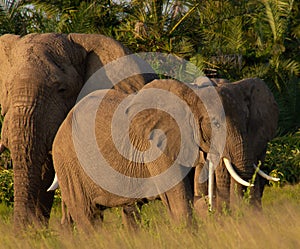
<point>283,158</point>
<point>6,187</point>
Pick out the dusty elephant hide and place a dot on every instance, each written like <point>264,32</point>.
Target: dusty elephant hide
<point>41,76</point>
<point>250,118</point>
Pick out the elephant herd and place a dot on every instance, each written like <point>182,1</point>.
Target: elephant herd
<point>123,144</point>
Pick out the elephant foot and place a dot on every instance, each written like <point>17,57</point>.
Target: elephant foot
<point>201,206</point>
<point>131,217</point>
<point>22,223</point>
<point>66,219</point>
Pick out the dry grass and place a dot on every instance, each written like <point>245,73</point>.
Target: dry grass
<point>278,226</point>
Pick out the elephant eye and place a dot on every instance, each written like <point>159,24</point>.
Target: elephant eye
<point>61,90</point>
<point>216,123</point>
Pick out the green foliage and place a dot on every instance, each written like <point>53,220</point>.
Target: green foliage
<point>257,38</point>
<point>78,16</point>
<point>57,198</point>
<point>283,158</point>
<point>12,17</point>
<point>5,160</point>
<point>158,26</point>
<point>6,187</point>
<point>19,17</point>
<point>289,106</point>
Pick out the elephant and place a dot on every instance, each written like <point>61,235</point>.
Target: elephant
<point>253,101</point>
<point>192,132</point>
<point>41,76</point>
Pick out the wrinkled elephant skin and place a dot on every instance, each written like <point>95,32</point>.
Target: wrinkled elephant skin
<point>41,76</point>
<point>250,118</point>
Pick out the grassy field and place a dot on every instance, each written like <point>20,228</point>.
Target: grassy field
<point>278,226</point>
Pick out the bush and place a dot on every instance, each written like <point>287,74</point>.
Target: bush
<point>6,187</point>
<point>283,158</point>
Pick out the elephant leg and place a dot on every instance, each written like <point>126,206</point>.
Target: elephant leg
<point>66,219</point>
<point>81,214</point>
<point>131,216</point>
<point>178,201</point>
<point>257,192</point>
<point>77,207</point>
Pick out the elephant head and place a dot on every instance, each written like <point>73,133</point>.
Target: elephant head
<point>41,76</point>
<point>233,135</point>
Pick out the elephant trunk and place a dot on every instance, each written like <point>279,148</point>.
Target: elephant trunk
<point>243,160</point>
<point>240,155</point>
<point>30,167</point>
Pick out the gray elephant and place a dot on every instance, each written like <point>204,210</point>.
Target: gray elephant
<point>41,76</point>
<point>184,130</point>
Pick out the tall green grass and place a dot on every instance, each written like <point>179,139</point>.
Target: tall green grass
<point>277,226</point>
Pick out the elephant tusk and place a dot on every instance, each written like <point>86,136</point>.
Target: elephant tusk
<point>210,185</point>
<point>264,175</point>
<point>54,184</point>
<point>234,175</point>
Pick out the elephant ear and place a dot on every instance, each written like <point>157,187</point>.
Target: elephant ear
<point>262,107</point>
<point>162,118</point>
<point>131,74</point>
<point>7,43</point>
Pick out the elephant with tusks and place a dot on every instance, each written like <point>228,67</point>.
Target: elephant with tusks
<point>173,140</point>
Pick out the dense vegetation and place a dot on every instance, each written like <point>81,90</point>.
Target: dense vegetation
<point>226,38</point>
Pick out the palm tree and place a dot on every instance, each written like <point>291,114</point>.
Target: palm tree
<point>158,26</point>
<point>226,38</point>
<point>79,16</point>
<point>13,17</point>
<point>274,38</point>
<point>256,38</point>
<point>224,32</point>
<point>279,45</point>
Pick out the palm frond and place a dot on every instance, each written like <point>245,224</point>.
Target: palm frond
<point>289,106</point>
<point>191,10</point>
<point>277,15</point>
<point>13,17</point>
<point>50,10</point>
